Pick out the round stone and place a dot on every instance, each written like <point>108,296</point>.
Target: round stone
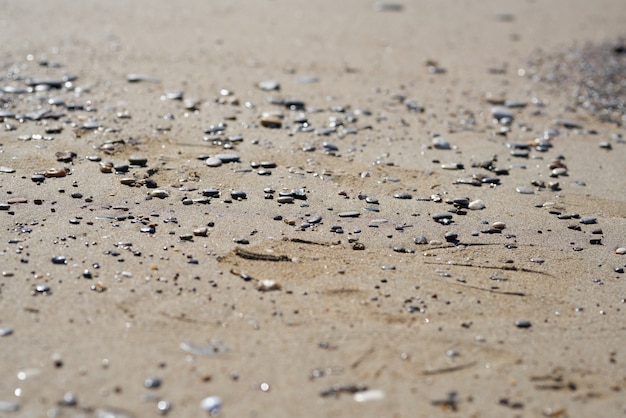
<point>212,404</point>
<point>476,205</point>
<point>213,162</point>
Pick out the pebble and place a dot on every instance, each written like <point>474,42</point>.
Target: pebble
<point>138,160</point>
<point>56,172</point>
<point>211,192</point>
<point>403,196</point>
<point>160,193</point>
<point>269,85</point>
<point>440,143</point>
<point>5,332</point>
<point>59,259</point>
<point>441,216</point>
<point>238,194</point>
<point>421,240</point>
<point>314,219</point>
<point>5,169</point>
<point>500,112</point>
<point>152,382</point>
<point>522,323</point>
<point>213,162</point>
<point>451,236</point>
<point>271,121</point>
<point>285,199</point>
<point>350,214</point>
<point>476,205</point>
<point>524,190</point>
<point>5,206</point>
<point>620,251</point>
<point>228,158</point>
<point>588,220</point>
<point>8,406</point>
<point>498,225</point>
<point>211,404</point>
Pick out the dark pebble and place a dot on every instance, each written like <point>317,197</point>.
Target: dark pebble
<point>152,382</point>
<point>238,194</point>
<point>59,259</point>
<point>451,236</point>
<point>522,323</point>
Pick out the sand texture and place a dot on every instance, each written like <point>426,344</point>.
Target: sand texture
<point>312,208</point>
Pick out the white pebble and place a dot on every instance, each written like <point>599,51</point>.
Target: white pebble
<point>369,395</point>
<point>620,251</point>
<point>476,205</point>
<point>212,404</point>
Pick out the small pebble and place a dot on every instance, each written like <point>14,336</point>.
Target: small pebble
<point>213,162</point>
<point>161,194</point>
<point>59,259</point>
<point>7,406</point>
<point>350,214</point>
<point>524,190</point>
<point>522,323</point>
<point>588,220</point>
<point>476,205</point>
<point>620,251</point>
<point>212,404</point>
<point>152,382</point>
<point>138,160</point>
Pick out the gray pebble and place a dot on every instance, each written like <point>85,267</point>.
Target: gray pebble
<point>421,240</point>
<point>524,190</point>
<point>588,220</point>
<point>350,214</point>
<point>440,216</point>
<point>138,160</point>
<point>285,199</point>
<point>5,206</point>
<point>228,158</point>
<point>499,113</point>
<point>211,192</point>
<point>152,382</point>
<point>7,406</point>
<point>440,143</point>
<point>5,332</point>
<point>38,178</point>
<point>314,219</point>
<point>213,162</point>
<point>403,196</point>
<point>522,323</point>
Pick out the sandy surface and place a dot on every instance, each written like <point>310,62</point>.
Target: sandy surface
<point>426,331</point>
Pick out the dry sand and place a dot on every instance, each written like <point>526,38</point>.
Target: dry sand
<point>436,336</point>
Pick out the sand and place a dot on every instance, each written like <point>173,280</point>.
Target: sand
<point>525,322</point>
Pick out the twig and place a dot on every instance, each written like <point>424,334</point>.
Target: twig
<point>449,369</point>
<point>249,255</point>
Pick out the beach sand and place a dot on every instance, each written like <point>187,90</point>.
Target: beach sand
<point>305,309</point>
